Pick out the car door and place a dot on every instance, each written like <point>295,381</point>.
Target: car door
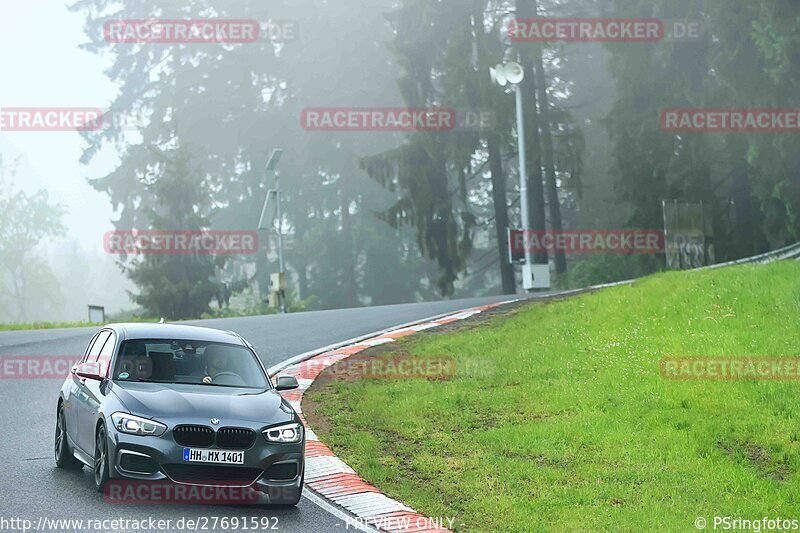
<point>87,396</point>
<point>71,396</point>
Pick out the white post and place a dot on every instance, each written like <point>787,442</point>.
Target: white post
<point>527,267</point>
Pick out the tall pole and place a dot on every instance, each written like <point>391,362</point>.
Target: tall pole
<point>281,268</point>
<point>523,176</point>
<point>533,276</point>
<point>272,166</point>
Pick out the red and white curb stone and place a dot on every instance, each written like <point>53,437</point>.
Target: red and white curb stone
<point>331,477</point>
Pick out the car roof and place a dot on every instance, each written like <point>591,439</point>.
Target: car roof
<point>181,332</point>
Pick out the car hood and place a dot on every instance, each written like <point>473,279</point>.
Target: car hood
<point>198,404</point>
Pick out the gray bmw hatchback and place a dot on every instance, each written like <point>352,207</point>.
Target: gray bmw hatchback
<point>180,404</point>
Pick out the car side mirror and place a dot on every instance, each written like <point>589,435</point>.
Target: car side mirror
<point>286,383</point>
<point>92,371</point>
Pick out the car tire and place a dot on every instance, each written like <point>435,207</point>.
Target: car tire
<point>63,455</point>
<point>100,459</point>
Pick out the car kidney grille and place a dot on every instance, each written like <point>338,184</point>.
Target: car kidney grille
<point>235,438</point>
<point>200,436</point>
<point>212,475</point>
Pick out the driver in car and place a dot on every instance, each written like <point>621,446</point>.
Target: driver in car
<point>216,364</point>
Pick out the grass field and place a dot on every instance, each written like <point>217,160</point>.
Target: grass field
<point>44,325</point>
<point>563,421</point>
<point>18,326</point>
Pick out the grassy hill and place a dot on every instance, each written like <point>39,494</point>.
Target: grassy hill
<point>560,420</point>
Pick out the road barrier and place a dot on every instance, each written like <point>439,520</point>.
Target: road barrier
<point>782,254</point>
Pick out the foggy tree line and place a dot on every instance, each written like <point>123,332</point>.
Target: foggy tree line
<point>378,218</point>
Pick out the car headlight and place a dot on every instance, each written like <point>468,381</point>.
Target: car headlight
<point>136,425</point>
<point>287,433</point>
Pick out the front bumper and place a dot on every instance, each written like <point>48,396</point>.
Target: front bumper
<point>274,470</point>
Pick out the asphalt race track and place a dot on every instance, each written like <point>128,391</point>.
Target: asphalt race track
<point>30,485</point>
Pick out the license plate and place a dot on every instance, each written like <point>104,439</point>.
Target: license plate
<point>223,457</point>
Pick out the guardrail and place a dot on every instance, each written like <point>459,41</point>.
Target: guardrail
<point>781,254</point>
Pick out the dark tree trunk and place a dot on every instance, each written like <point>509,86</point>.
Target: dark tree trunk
<point>501,215</point>
<point>547,155</point>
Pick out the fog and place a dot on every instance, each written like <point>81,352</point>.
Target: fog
<point>400,173</point>
<point>42,65</point>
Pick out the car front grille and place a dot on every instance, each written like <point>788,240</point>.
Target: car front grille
<point>215,475</point>
<point>199,436</point>
<point>205,437</point>
<point>235,438</point>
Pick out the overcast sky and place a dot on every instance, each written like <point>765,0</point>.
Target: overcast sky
<point>42,66</point>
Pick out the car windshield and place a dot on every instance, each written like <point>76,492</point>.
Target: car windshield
<point>189,362</point>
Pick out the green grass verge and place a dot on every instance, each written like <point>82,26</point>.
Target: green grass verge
<point>573,428</point>
<point>59,325</point>
<point>44,325</point>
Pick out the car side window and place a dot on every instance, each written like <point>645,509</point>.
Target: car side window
<point>94,351</point>
<point>89,347</point>
<point>108,348</point>
<point>107,351</point>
